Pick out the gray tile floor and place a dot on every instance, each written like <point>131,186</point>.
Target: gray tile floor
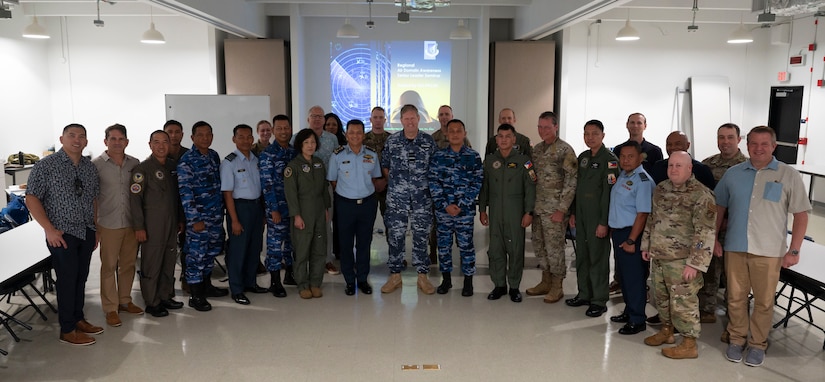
<point>371,337</point>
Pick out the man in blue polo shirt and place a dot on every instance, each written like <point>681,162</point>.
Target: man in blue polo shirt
<point>758,195</point>
<point>630,202</point>
<point>353,170</point>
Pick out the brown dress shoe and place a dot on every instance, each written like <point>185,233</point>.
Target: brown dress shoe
<point>305,294</point>
<point>85,327</point>
<point>77,338</point>
<point>316,292</point>
<point>112,319</point>
<point>130,307</point>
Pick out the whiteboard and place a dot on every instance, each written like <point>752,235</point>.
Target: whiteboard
<point>710,108</point>
<point>222,112</point>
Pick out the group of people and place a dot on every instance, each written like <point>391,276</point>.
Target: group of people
<point>671,219</point>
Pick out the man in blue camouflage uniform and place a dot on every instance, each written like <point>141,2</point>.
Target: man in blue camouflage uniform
<point>199,182</point>
<point>278,243</point>
<point>455,180</point>
<point>406,163</point>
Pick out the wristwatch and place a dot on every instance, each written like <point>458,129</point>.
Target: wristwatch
<point>630,242</point>
<point>795,252</point>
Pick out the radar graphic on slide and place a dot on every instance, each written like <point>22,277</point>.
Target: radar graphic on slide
<point>359,74</point>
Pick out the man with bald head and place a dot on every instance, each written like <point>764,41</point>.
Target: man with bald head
<point>678,141</point>
<point>678,239</point>
<point>508,117</point>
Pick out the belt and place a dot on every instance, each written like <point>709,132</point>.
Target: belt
<point>619,229</point>
<point>247,201</point>
<point>356,201</point>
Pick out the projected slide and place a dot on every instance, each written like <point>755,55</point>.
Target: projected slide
<point>390,74</point>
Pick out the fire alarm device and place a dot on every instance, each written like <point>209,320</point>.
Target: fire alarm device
<point>797,60</point>
<point>783,77</point>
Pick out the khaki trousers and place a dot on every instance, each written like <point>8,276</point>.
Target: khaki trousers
<point>118,253</point>
<point>747,272</point>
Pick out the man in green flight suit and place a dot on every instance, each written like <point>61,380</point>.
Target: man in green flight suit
<point>509,189</point>
<point>598,170</point>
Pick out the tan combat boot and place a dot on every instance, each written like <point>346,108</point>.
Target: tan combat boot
<point>393,283</point>
<point>686,349</point>
<point>542,287</point>
<point>424,284</point>
<point>664,336</point>
<point>556,292</point>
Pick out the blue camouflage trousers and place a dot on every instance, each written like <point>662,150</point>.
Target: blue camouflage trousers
<point>278,243</point>
<point>420,221</point>
<point>201,249</point>
<point>462,228</point>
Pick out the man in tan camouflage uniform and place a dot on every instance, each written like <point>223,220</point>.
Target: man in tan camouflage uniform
<point>556,167</point>
<point>679,237</point>
<point>727,139</point>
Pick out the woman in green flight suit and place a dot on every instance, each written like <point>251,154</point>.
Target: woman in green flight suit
<point>307,198</point>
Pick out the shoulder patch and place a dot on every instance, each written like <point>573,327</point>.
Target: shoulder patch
<point>135,188</point>
<point>287,172</point>
<point>644,177</point>
<point>612,164</point>
<point>528,165</point>
<point>137,177</point>
<point>338,149</point>
<point>231,156</point>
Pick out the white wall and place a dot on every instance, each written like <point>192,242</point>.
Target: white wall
<point>97,77</point>
<point>607,80</point>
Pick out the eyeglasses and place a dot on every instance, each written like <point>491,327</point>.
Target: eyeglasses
<point>316,116</point>
<point>78,187</point>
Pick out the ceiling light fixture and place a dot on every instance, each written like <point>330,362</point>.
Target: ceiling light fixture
<point>740,35</point>
<point>628,33</point>
<point>347,30</point>
<point>152,36</point>
<point>35,30</point>
<point>461,32</point>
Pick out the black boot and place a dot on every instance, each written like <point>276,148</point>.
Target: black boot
<point>446,283</point>
<point>467,291</point>
<point>197,299</point>
<point>275,285</point>
<point>289,277</point>
<point>211,290</point>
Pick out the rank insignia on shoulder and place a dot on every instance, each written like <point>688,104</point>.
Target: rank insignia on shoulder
<point>511,165</point>
<point>338,149</point>
<point>612,164</point>
<point>528,165</point>
<point>497,164</point>
<point>532,174</point>
<point>135,188</point>
<point>159,174</point>
<point>231,156</point>
<point>644,177</point>
<point>137,177</point>
<point>611,179</point>
<point>305,167</point>
<point>287,172</point>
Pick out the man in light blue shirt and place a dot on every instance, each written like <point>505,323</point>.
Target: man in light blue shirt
<point>630,202</point>
<point>352,171</point>
<point>241,187</point>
